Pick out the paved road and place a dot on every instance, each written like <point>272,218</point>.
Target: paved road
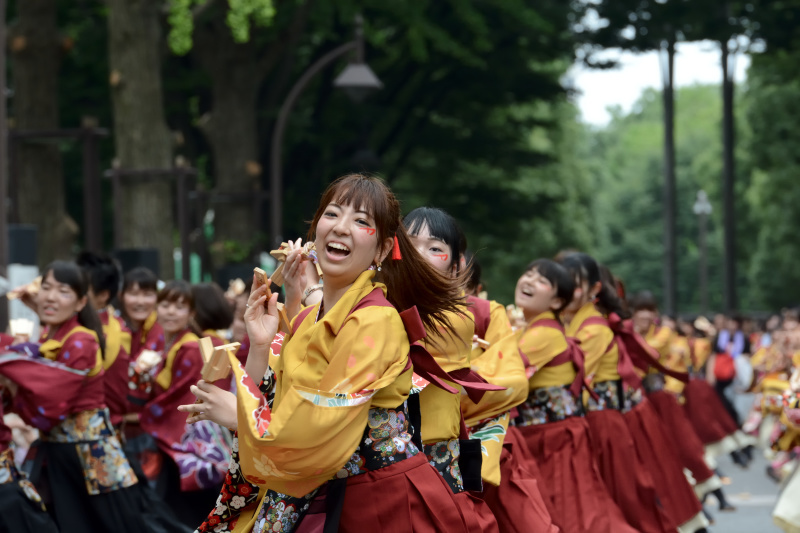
<point>753,494</point>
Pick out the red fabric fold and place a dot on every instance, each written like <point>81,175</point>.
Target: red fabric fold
<point>642,355</point>
<point>474,384</point>
<point>518,503</point>
<point>578,495</point>
<point>626,477</point>
<point>681,434</point>
<point>655,450</point>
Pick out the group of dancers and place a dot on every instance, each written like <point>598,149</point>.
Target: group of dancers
<point>383,393</point>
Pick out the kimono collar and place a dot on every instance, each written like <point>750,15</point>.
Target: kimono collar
<point>50,348</point>
<point>587,310</point>
<point>164,377</point>
<point>148,325</point>
<point>334,318</point>
<point>547,315</point>
<point>213,333</point>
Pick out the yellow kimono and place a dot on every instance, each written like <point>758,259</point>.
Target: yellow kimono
<point>540,345</point>
<point>329,375</point>
<point>602,357</point>
<point>549,398</point>
<point>660,338</point>
<point>499,324</point>
<point>680,359</point>
<point>440,410</point>
<point>501,365</point>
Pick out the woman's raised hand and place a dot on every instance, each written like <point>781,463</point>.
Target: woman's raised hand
<point>212,404</point>
<point>295,277</point>
<point>261,315</point>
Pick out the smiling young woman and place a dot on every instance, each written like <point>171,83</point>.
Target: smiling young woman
<point>58,388</point>
<point>138,296</point>
<point>551,420</point>
<point>187,462</point>
<point>439,240</point>
<point>331,424</point>
<point>510,489</point>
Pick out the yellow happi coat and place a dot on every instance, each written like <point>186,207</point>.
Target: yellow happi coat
<point>541,345</point>
<point>500,364</point>
<point>601,357</point>
<point>330,373</point>
<point>440,410</point>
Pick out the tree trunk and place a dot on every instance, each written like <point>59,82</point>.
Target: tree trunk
<point>35,55</point>
<point>141,136</point>
<point>728,178</point>
<point>670,278</point>
<point>238,71</point>
<point>230,127</point>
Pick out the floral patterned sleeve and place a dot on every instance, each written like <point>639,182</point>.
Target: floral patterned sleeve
<point>237,495</point>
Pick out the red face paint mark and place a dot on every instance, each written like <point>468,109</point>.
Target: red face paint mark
<point>370,231</point>
<point>443,257</point>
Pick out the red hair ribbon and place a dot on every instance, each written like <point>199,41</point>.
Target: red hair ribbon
<point>396,249</point>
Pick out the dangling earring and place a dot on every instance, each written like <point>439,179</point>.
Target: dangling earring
<point>379,266</point>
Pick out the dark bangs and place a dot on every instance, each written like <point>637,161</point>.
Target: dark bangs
<point>643,301</point>
<point>70,274</point>
<point>582,266</point>
<point>364,193</point>
<point>441,226</point>
<point>212,310</point>
<point>177,291</point>
<point>103,272</point>
<point>558,276</point>
<point>141,276</point>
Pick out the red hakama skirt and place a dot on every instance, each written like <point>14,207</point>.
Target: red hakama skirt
<point>655,451</point>
<point>681,435</point>
<point>627,478</point>
<point>409,496</point>
<point>705,411</point>
<point>475,513</point>
<point>518,503</point>
<point>575,489</point>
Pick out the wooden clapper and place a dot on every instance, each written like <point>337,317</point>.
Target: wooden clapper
<point>216,364</point>
<point>262,279</point>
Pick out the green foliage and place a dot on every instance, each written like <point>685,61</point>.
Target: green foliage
<point>181,24</point>
<point>241,14</point>
<point>626,165</point>
<point>773,112</point>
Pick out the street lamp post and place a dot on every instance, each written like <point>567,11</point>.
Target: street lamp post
<point>357,80</point>
<point>702,208</point>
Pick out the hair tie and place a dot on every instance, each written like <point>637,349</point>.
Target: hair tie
<point>396,249</point>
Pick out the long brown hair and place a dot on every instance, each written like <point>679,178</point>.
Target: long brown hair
<point>411,280</point>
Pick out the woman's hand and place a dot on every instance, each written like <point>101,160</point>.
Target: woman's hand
<point>261,316</point>
<point>295,278</point>
<point>213,404</point>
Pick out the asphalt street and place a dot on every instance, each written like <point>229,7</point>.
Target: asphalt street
<point>753,494</point>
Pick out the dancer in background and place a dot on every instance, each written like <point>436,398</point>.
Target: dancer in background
<point>610,371</point>
<point>104,282</point>
<point>186,462</point>
<point>552,420</point>
<point>678,428</point>
<point>58,387</point>
<point>213,313</point>
<point>138,308</point>
<point>515,497</point>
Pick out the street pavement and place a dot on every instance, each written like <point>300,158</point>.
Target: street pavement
<point>752,493</point>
